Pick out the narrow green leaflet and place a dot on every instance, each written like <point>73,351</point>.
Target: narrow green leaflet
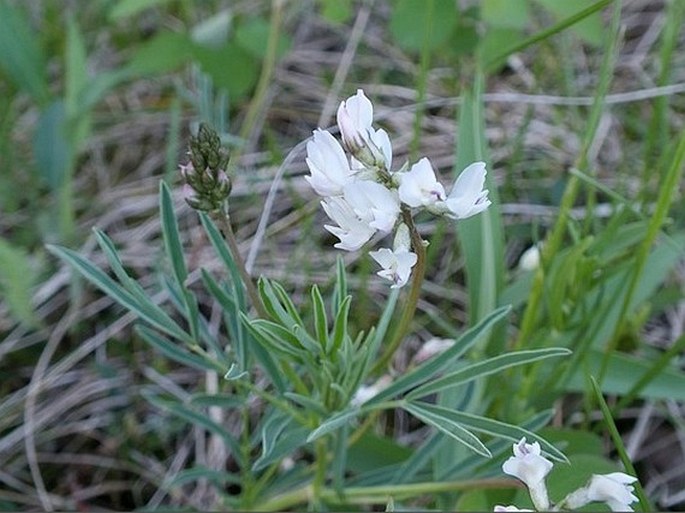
<point>485,368</point>
<point>337,421</point>
<point>442,361</point>
<point>171,350</point>
<point>491,427</point>
<point>98,278</point>
<point>340,325</point>
<point>448,426</point>
<point>172,240</point>
<point>320,318</point>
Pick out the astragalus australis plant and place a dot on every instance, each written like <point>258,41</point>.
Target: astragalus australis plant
<point>300,393</point>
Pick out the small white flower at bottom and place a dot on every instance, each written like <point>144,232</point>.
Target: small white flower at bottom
<point>396,265</point>
<point>512,508</point>
<point>528,465</point>
<point>615,489</point>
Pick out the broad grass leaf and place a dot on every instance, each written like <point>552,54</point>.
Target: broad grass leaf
<point>505,13</point>
<point>21,58</point>
<point>623,371</point>
<point>165,52</point>
<point>415,23</point>
<point>127,8</point>
<point>253,36</point>
<point>52,146</point>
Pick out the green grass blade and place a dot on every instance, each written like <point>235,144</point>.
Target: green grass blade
<point>481,236</point>
<point>618,442</point>
<point>544,34</point>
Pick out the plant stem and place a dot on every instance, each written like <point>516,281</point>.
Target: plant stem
<point>224,221</point>
<point>412,299</point>
<point>381,494</point>
<point>267,70</point>
<point>320,475</point>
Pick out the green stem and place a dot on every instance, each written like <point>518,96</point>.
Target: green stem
<point>412,299</point>
<point>224,221</point>
<point>320,474</point>
<point>381,494</point>
<point>422,79</point>
<point>267,71</point>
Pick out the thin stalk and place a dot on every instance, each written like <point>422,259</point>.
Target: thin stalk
<point>422,80</point>
<point>381,494</point>
<point>246,476</point>
<point>224,221</point>
<point>321,455</point>
<point>412,299</point>
<point>267,71</point>
<point>668,188</point>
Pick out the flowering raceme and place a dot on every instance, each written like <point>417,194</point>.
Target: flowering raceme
<point>362,196</point>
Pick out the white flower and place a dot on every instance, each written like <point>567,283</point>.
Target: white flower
<point>369,146</point>
<point>615,489</point>
<point>364,392</point>
<point>508,508</point>
<point>467,197</point>
<point>329,168</point>
<point>396,265</point>
<point>419,187</point>
<point>529,466</point>
<point>530,259</point>
<point>373,203</point>
<point>352,231</point>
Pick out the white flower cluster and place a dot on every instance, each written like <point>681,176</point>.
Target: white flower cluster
<point>528,465</point>
<point>362,196</point>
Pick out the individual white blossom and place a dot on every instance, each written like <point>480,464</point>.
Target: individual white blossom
<point>370,147</point>
<point>512,508</point>
<point>530,258</point>
<point>615,489</point>
<point>467,197</point>
<point>528,465</point>
<point>396,265</point>
<point>329,167</point>
<point>373,203</point>
<point>419,187</point>
<point>352,231</point>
